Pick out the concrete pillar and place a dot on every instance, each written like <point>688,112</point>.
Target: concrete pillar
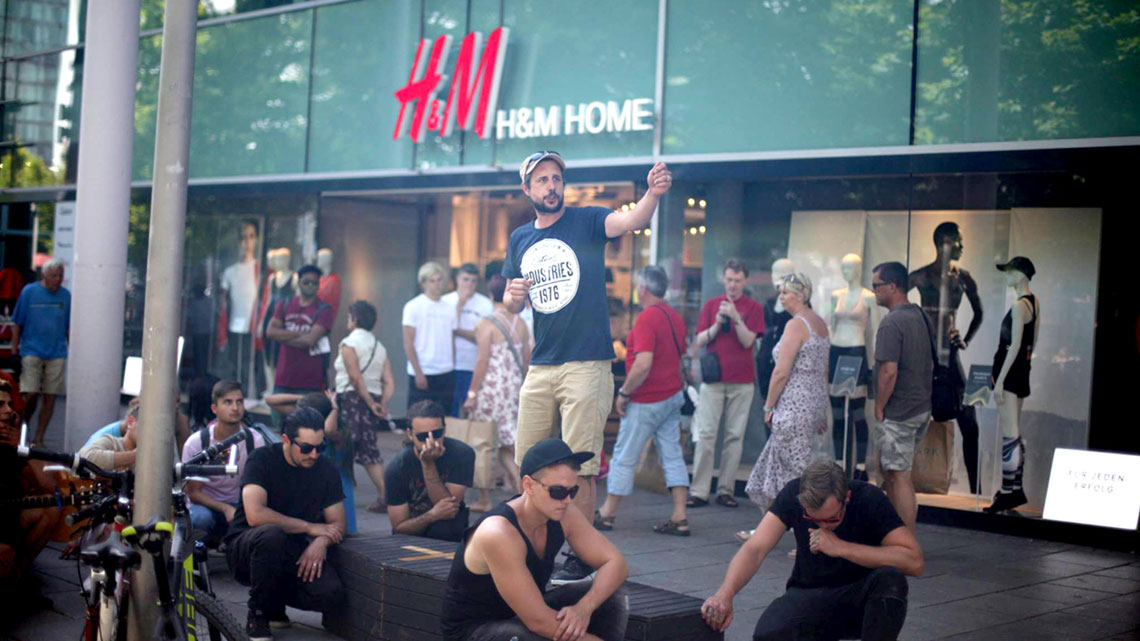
<point>106,133</point>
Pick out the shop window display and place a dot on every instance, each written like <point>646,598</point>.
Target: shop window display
<point>960,238</point>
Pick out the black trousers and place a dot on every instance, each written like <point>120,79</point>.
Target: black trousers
<point>265,559</point>
<point>873,609</point>
<point>440,389</point>
<point>608,622</point>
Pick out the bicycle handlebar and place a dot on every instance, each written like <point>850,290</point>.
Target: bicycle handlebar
<point>91,511</point>
<point>183,470</point>
<point>74,462</point>
<point>213,450</point>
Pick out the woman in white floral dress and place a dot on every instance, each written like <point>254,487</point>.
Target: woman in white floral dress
<point>796,405</point>
<point>498,376</point>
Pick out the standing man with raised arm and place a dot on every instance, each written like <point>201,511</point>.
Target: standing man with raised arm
<point>301,326</point>
<point>852,552</point>
<point>292,510</point>
<point>558,262</point>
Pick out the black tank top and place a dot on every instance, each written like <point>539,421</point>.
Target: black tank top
<point>1021,360</point>
<point>471,599</point>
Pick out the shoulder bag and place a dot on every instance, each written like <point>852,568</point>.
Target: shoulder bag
<point>945,396</point>
<point>687,406</point>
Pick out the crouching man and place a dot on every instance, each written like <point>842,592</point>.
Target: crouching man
<point>495,590</point>
<point>852,552</point>
<point>291,511</point>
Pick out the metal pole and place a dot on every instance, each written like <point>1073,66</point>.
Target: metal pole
<point>163,288</point>
<point>103,205</point>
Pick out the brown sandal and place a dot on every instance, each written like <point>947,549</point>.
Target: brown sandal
<point>673,528</point>
<point>603,523</point>
<point>726,500</point>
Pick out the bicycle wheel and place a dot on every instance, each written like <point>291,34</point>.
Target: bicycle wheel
<point>213,621</point>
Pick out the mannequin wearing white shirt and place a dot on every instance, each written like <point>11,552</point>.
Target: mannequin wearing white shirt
<point>279,289</point>
<point>239,285</point>
<point>853,321</point>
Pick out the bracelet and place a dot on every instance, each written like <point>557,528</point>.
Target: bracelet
<point>769,410</point>
<point>622,393</point>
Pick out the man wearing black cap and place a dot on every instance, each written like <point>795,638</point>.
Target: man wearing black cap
<point>495,590</point>
<point>1011,379</point>
<point>558,262</point>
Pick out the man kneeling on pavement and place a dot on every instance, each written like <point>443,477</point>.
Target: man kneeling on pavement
<point>852,552</point>
<point>499,573</point>
<point>291,511</point>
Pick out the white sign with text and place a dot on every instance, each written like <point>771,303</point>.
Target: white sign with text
<point>1094,488</point>
<point>63,239</point>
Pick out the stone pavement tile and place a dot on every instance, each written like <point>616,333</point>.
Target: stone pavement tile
<point>1102,583</point>
<point>1130,572</point>
<point>946,588</point>
<point>1097,558</point>
<point>47,625</point>
<point>1121,608</point>
<point>1061,594</point>
<point>947,619</point>
<point>1049,566</point>
<point>1013,576</point>
<point>1003,602</point>
<point>1128,635</point>
<point>679,559</point>
<point>1059,626</point>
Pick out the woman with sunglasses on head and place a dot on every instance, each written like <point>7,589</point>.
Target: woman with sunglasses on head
<point>848,580</point>
<point>496,588</point>
<point>426,482</point>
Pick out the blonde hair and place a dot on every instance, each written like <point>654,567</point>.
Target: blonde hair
<point>819,481</point>
<point>429,269</point>
<point>798,283</point>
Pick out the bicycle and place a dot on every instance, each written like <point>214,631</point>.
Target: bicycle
<point>184,608</point>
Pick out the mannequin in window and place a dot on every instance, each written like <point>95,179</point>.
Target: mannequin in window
<point>280,287</point>
<point>1011,379</point>
<point>775,318</point>
<point>853,322</point>
<point>239,286</point>
<point>941,286</point>
<point>329,290</point>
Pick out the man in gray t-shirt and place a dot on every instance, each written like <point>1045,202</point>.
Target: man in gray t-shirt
<point>904,370</point>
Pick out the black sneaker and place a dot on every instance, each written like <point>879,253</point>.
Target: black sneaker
<point>1006,501</point>
<point>572,571</point>
<point>257,627</point>
<point>278,620</point>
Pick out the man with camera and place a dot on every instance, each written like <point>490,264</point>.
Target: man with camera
<point>727,328</point>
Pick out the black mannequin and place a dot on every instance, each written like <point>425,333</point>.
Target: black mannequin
<point>941,286</point>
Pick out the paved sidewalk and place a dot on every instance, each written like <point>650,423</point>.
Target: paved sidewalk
<point>976,586</point>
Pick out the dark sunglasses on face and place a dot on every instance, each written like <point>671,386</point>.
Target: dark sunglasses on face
<point>307,448</point>
<point>559,492</point>
<point>435,434</point>
<point>310,283</point>
<point>835,519</point>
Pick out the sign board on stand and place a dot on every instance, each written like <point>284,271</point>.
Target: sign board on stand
<point>1094,488</point>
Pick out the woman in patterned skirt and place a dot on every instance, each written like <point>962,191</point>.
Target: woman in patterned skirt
<point>504,355</point>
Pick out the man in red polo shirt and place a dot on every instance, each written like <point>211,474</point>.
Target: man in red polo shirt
<point>728,326</point>
<point>649,403</point>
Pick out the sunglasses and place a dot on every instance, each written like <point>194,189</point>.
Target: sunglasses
<point>559,492</point>
<point>877,285</point>
<point>307,448</point>
<point>435,434</point>
<point>310,283</point>
<point>835,519</point>
<point>531,159</point>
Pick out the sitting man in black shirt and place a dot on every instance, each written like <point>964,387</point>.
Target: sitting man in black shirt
<point>852,551</point>
<point>291,511</point>
<point>499,573</point>
<point>425,483</point>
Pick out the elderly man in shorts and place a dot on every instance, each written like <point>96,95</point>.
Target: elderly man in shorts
<point>42,321</point>
<point>558,262</point>
<point>904,369</point>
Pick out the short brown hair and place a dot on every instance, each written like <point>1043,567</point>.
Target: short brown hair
<point>133,408</point>
<point>819,481</point>
<point>736,265</point>
<point>221,388</point>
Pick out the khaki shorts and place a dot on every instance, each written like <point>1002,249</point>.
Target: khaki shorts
<point>43,377</point>
<point>576,397</point>
<point>898,441</point>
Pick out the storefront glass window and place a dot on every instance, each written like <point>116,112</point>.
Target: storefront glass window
<point>981,79</point>
<point>38,25</point>
<point>251,92</point>
<point>353,112</point>
<point>813,75</point>
<point>950,232</point>
<point>41,119</point>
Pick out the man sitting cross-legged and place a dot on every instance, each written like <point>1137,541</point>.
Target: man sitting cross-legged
<point>426,482</point>
<point>291,511</point>
<point>852,551</point>
<point>495,589</point>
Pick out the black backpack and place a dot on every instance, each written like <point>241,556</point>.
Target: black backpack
<point>204,435</point>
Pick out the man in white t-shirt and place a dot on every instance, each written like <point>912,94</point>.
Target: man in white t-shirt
<point>429,326</point>
<point>470,307</point>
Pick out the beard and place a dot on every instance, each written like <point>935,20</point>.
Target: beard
<point>541,207</point>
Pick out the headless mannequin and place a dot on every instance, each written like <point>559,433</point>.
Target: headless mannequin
<point>775,319</point>
<point>1023,317</point>
<point>329,290</point>
<point>853,322</point>
<point>279,289</point>
<point>941,286</point>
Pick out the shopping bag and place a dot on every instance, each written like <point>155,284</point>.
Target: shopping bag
<point>480,435</point>
<point>934,460</point>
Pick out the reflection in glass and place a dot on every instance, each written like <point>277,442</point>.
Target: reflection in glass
<point>40,109</point>
<point>38,25</point>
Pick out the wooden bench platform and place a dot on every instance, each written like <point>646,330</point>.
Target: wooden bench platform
<point>394,592</point>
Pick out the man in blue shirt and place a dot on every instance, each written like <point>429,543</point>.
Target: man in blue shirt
<point>42,318</point>
<point>558,261</point>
